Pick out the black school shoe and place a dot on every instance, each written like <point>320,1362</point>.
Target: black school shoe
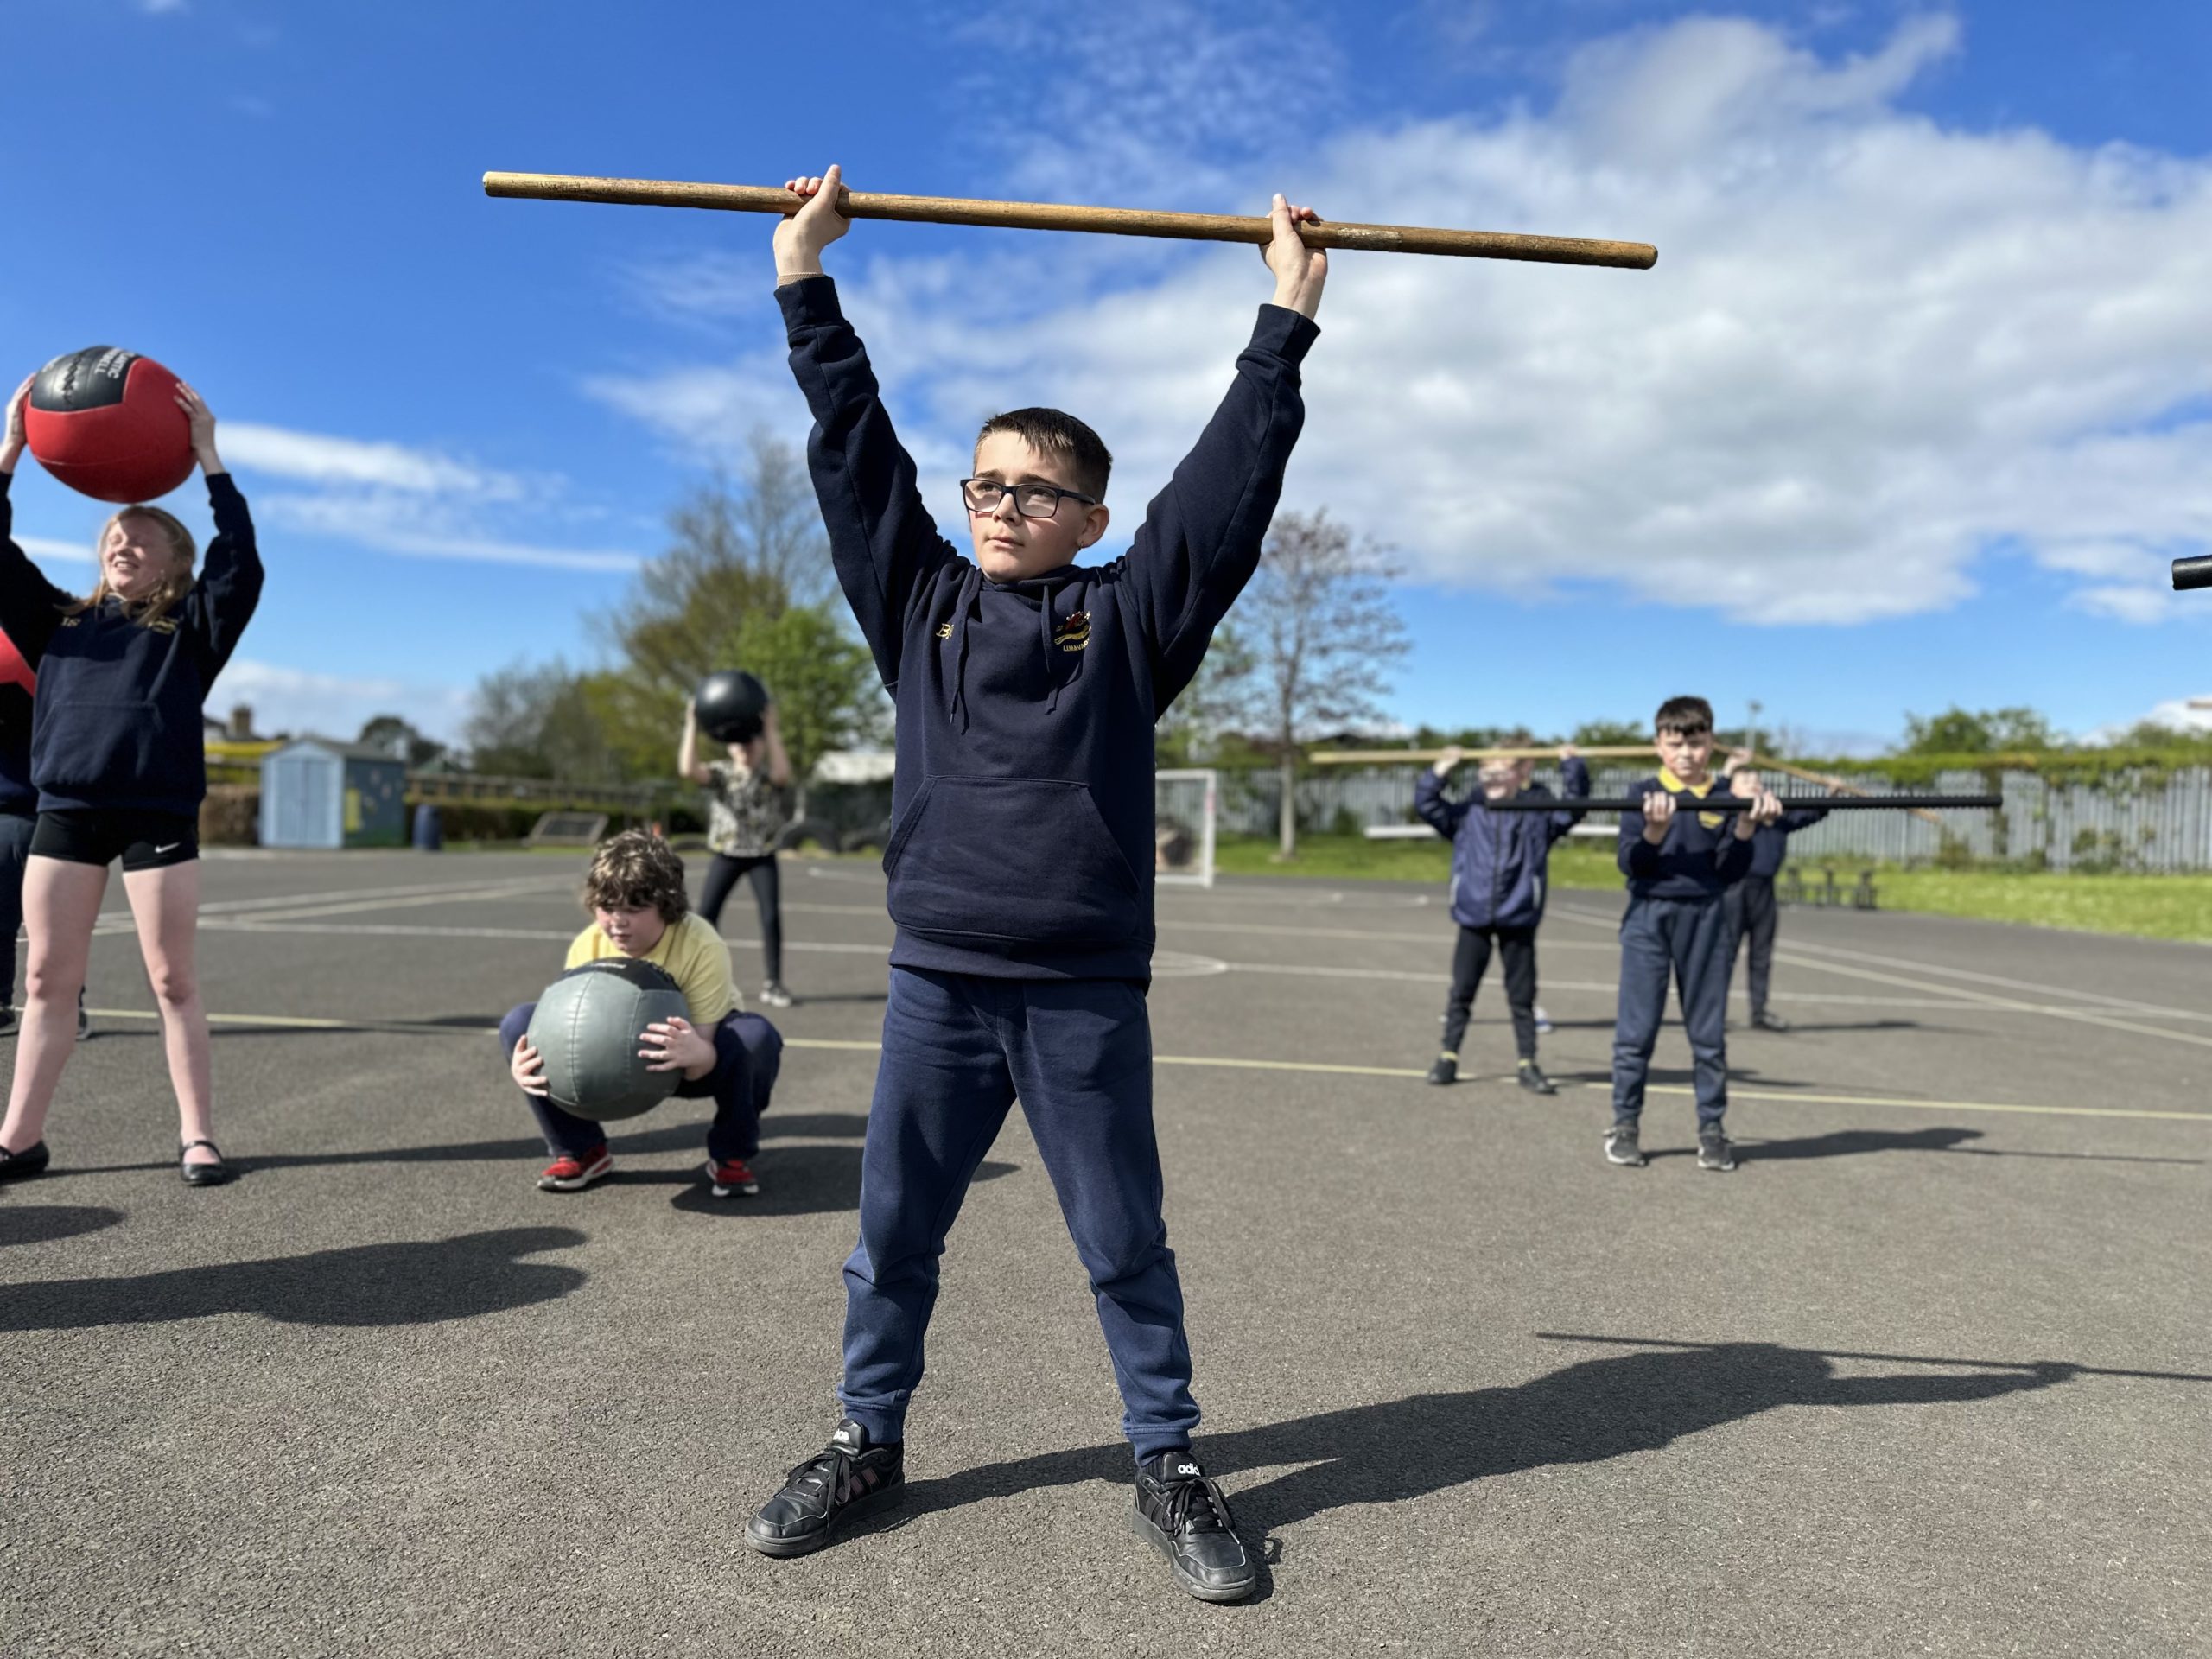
<point>1183,1516</point>
<point>213,1174</point>
<point>1446,1069</point>
<point>21,1165</point>
<point>847,1481</point>
<point>1533,1079</point>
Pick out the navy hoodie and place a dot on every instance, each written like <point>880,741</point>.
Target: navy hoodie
<point>1694,862</point>
<point>116,720</point>
<point>1499,859</point>
<point>1770,841</point>
<point>17,799</point>
<point>1021,841</point>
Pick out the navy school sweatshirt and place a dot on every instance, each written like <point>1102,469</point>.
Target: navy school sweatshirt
<point>117,720</point>
<point>1694,862</point>
<point>1770,841</point>
<point>1499,860</point>
<point>1021,844</point>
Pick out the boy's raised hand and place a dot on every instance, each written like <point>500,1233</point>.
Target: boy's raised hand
<point>1299,271</point>
<point>1658,813</point>
<point>12,438</point>
<point>800,239</point>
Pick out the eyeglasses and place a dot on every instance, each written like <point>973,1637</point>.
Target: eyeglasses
<point>983,495</point>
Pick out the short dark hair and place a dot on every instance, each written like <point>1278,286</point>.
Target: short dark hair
<point>636,870</point>
<point>1683,715</point>
<point>1054,432</point>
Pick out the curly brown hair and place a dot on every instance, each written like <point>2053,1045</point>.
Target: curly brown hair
<point>636,870</point>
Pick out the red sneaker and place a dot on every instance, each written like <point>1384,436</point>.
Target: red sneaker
<point>568,1173</point>
<point>733,1179</point>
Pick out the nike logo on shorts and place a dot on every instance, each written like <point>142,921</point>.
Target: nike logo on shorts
<point>171,848</point>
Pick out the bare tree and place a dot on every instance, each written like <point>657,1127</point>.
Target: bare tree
<point>749,547</point>
<point>1319,623</point>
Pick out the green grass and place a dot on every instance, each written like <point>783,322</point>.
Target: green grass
<point>2145,907</point>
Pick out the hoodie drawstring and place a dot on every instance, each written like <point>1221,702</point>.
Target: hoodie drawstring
<point>957,705</point>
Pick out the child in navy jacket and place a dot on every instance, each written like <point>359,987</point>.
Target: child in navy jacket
<point>1500,861</point>
<point>1020,861</point>
<point>1752,911</point>
<point>118,760</point>
<point>1678,864</point>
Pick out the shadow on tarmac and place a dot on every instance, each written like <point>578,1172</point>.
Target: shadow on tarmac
<point>685,1136</point>
<point>1843,1143</point>
<point>39,1224</point>
<point>1589,1412</point>
<point>363,1284</point>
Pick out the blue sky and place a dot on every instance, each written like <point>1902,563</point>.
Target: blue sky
<point>1912,411</point>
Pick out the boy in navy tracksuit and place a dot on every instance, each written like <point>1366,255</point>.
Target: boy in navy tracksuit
<point>1751,907</point>
<point>1020,861</point>
<point>1499,862</point>
<point>1678,865</point>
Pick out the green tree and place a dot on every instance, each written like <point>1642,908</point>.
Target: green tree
<point>396,735</point>
<point>1592,734</point>
<point>822,680</point>
<point>1957,731</point>
<point>537,721</point>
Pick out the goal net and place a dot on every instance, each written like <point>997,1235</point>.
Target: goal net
<point>1183,825</point>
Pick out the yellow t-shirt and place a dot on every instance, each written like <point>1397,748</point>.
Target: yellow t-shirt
<point>691,953</point>
<point>1674,786</point>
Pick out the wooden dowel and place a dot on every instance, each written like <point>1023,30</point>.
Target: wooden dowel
<point>1758,761</point>
<point>1055,216</point>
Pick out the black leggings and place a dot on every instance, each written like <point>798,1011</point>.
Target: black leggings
<point>1516,948</point>
<point>767,889</point>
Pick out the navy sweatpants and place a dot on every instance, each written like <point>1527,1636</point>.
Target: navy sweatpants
<point>748,1053</point>
<point>958,1051</point>
<point>1690,942</point>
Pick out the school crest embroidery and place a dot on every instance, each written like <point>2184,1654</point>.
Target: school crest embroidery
<point>1073,634</point>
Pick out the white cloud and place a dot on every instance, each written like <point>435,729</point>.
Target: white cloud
<point>318,457</point>
<point>406,524</point>
<point>1873,349</point>
<point>298,701</point>
<point>398,499</point>
<point>51,547</point>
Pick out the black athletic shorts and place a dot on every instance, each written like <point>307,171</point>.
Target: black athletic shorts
<point>144,841</point>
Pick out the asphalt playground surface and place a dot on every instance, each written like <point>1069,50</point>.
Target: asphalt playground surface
<point>1470,1389</point>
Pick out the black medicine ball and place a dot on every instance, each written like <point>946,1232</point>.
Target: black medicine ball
<point>730,705</point>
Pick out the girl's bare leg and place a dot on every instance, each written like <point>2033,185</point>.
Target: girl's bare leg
<point>165,904</point>
<point>62,900</point>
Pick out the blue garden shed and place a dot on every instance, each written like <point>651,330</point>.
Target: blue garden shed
<point>316,793</point>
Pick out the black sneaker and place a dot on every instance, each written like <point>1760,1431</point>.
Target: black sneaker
<point>1184,1516</point>
<point>1762,1020</point>
<point>20,1166</point>
<point>848,1480</point>
<point>1446,1069</point>
<point>1715,1150</point>
<point>1533,1080</point>
<point>1622,1146</point>
<point>8,1019</point>
<point>84,1023</point>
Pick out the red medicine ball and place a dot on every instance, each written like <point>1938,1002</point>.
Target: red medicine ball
<point>105,422</point>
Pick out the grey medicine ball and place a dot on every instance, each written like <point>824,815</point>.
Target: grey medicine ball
<point>588,1028</point>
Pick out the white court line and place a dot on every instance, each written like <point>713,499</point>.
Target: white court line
<point>2081,1016</point>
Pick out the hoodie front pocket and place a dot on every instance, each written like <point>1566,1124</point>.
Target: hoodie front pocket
<point>82,746</point>
<point>1024,859</point>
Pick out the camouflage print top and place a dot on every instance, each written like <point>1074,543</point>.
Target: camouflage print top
<point>745,811</point>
